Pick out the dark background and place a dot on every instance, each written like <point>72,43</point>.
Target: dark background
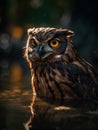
<point>16,16</point>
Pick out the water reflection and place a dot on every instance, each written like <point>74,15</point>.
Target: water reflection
<point>71,115</point>
<point>28,124</point>
<point>20,111</point>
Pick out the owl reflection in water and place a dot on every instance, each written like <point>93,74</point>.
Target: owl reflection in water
<point>57,70</point>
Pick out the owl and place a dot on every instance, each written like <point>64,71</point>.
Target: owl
<point>57,70</point>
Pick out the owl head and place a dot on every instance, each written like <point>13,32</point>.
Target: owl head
<point>46,44</point>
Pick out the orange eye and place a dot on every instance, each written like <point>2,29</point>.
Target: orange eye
<point>33,43</point>
<point>54,43</point>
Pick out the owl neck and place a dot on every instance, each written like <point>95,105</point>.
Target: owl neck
<point>64,59</point>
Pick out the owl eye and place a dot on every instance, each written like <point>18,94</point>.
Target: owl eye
<point>54,43</point>
<point>33,43</point>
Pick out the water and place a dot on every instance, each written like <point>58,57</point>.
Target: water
<point>16,112</point>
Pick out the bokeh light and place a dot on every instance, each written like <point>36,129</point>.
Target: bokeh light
<point>4,41</point>
<point>15,73</point>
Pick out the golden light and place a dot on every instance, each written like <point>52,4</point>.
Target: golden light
<point>16,73</point>
<point>17,32</point>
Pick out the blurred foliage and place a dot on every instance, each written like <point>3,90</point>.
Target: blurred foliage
<point>37,12</point>
<point>16,16</point>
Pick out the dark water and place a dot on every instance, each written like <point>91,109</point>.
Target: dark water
<point>16,110</point>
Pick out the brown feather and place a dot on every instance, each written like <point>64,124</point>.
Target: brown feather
<point>63,73</point>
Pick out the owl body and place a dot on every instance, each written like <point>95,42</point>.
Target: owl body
<point>57,70</point>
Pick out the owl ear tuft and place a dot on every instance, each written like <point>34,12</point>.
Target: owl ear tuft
<point>68,33</point>
<point>29,31</point>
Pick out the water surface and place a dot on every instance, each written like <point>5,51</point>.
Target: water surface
<point>15,108</point>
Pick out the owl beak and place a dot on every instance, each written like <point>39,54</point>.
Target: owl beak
<point>41,51</point>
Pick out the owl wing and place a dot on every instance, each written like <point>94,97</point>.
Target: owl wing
<point>82,81</point>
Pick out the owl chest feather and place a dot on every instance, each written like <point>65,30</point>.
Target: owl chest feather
<point>52,80</point>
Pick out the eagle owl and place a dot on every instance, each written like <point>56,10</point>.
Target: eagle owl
<point>57,70</point>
